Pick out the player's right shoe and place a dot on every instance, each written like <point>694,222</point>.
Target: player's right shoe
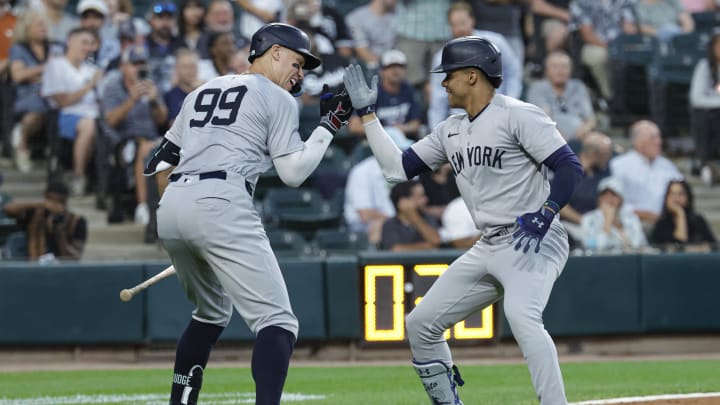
<point>439,382</point>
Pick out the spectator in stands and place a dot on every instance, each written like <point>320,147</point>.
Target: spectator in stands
<point>409,229</point>
<point>186,72</point>
<point>370,41</point>
<point>440,189</point>
<point>70,83</point>
<point>564,99</point>
<point>92,15</point>
<point>644,172</point>
<point>367,194</point>
<point>8,20</point>
<point>505,18</point>
<point>594,156</point>
<point>599,22</point>
<point>396,105</point>
<point>612,226</point>
<point>221,50</point>
<point>60,22</point>
<point>663,18</point>
<point>705,100</point>
<point>679,226</point>
<point>699,6</point>
<point>462,23</point>
<point>458,229</point>
<point>191,21</point>
<point>127,36</point>
<point>325,20</point>
<point>256,13</point>
<point>239,62</point>
<point>422,29</point>
<point>553,16</point>
<point>220,17</point>
<point>334,63</point>
<point>133,107</point>
<point>162,43</point>
<point>53,232</point>
<point>28,57</point>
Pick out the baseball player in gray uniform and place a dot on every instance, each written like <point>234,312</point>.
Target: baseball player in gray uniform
<point>228,132</point>
<point>499,151</point>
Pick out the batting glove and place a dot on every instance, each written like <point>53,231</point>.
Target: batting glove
<point>335,108</point>
<point>363,97</point>
<point>534,226</point>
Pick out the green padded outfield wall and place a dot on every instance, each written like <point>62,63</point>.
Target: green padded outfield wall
<point>168,311</point>
<point>343,288</point>
<point>69,304</point>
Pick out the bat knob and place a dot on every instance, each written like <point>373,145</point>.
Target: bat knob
<point>125,295</point>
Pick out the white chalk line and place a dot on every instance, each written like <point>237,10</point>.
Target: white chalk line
<point>151,399</point>
<point>628,400</point>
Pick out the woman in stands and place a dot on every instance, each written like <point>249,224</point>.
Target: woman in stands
<point>679,227</point>
<point>705,102</point>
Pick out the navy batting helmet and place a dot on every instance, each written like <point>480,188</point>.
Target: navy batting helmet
<point>472,52</point>
<point>284,35</point>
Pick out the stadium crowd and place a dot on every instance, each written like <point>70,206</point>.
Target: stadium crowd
<point>89,88</point>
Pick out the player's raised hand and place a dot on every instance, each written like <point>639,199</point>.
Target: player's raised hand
<point>363,97</point>
<point>335,108</point>
<point>534,226</point>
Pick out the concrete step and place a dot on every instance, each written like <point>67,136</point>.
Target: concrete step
<point>105,252</point>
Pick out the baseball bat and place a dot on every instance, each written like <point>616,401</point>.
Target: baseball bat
<point>128,293</point>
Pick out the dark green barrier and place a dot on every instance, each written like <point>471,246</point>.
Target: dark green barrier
<point>343,288</point>
<point>69,303</point>
<point>596,295</point>
<point>681,292</point>
<point>168,311</point>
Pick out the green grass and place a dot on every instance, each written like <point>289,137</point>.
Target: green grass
<point>391,385</point>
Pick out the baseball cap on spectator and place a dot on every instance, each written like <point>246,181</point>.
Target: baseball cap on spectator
<point>164,8</point>
<point>611,184</point>
<point>98,6</point>
<point>126,30</point>
<point>393,57</point>
<point>135,54</point>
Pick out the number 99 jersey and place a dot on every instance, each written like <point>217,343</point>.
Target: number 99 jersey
<point>236,123</point>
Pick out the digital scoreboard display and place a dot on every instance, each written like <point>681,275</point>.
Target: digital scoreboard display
<point>392,290</point>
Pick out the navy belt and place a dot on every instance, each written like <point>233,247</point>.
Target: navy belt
<point>217,174</point>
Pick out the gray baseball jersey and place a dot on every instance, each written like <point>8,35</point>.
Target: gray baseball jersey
<point>229,130</point>
<point>496,160</point>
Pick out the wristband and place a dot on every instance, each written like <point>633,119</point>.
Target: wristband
<point>365,110</point>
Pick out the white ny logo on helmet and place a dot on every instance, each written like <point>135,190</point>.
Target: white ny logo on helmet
<point>538,222</point>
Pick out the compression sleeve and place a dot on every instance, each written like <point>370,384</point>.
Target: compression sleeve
<point>568,173</point>
<point>294,168</point>
<point>165,156</point>
<point>386,152</point>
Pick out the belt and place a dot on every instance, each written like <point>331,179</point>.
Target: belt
<point>217,174</point>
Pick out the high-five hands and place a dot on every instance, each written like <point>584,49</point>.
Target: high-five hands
<point>335,108</point>
<point>363,97</point>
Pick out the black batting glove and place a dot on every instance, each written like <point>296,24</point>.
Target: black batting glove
<point>335,108</point>
<point>534,226</point>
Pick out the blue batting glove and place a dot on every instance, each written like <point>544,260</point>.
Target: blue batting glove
<point>534,226</point>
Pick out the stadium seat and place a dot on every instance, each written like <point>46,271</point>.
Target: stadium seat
<point>693,44</point>
<point>339,241</point>
<point>302,210</point>
<point>15,247</point>
<point>669,79</point>
<point>360,152</point>
<point>706,21</point>
<point>288,243</point>
<point>629,55</point>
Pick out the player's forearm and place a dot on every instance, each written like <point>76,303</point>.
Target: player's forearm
<point>386,152</point>
<point>294,168</point>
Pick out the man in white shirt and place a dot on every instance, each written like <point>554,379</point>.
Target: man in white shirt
<point>462,23</point>
<point>644,173</point>
<point>70,82</point>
